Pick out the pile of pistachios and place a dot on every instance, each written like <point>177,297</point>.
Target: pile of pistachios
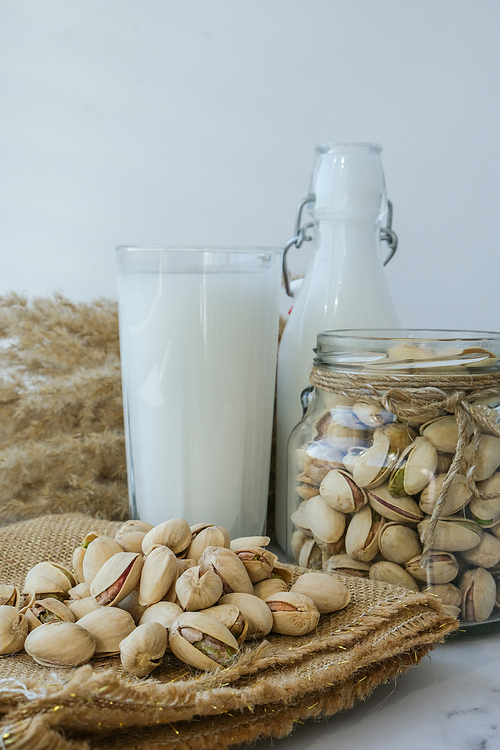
<point>367,485</point>
<point>188,589</point>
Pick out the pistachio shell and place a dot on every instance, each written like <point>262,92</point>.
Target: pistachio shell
<point>143,649</point>
<point>159,572</point>
<point>327,591</point>
<point>487,512</point>
<point>390,572</point>
<point>48,610</point>
<point>210,536</point>
<point>244,542</point>
<point>40,586</point>
<point>340,492</point>
<point>488,457</point>
<point>310,555</point>
<point>197,590</point>
<point>345,564</point>
<point>325,523</point>
<point>319,458</point>
<point>13,630</point>
<point>60,644</point>
<point>442,433</point>
<point>371,413</point>
<point>131,535</point>
<point>109,626</point>
<point>452,533</point>
<point>293,613</point>
<point>373,466</point>
<point>298,518</point>
<point>403,509</point>
<point>117,578</point>
<point>457,497</point>
<point>175,533</point>
<point>99,551</point>
<point>361,539</point>
<point>194,631</point>
<point>269,586</point>
<point>421,462</point>
<point>298,540</point>
<point>9,595</point>
<point>400,435</point>
<point>61,577</point>
<point>486,554</point>
<point>399,543</point>
<point>81,591</point>
<point>448,593</point>
<point>228,567</point>
<point>131,605</point>
<point>478,589</point>
<point>163,612</point>
<point>254,611</point>
<point>81,607</point>
<point>442,568</point>
<point>258,562</point>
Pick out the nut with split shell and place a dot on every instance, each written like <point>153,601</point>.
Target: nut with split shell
<point>131,605</point>
<point>311,555</point>
<point>374,465</point>
<point>344,564</point>
<point>299,520</point>
<point>452,533</point>
<point>60,644</point>
<point>108,626</point>
<point>175,533</point>
<point>339,490</point>
<point>487,512</point>
<point>13,630</point>
<point>230,616</point>
<point>162,612</point>
<point>328,592</point>
<point>361,539</point>
<point>202,641</point>
<point>399,543</point>
<point>400,435</point>
<point>486,554</point>
<point>254,611</point>
<point>143,649</point>
<point>159,572</point>
<point>269,586</point>
<point>228,567</point>
<point>442,567</point>
<point>117,578</point>
<point>293,613</point>
<point>389,572</point>
<point>325,523</point>
<point>197,590</point>
<point>414,469</point>
<point>457,497</point>
<point>98,552</point>
<point>258,562</point>
<point>478,589</point>
<point>449,594</point>
<point>372,414</point>
<point>130,536</point>
<point>319,458</point>
<point>243,542</point>
<point>9,595</point>
<point>403,509</point>
<point>61,577</point>
<point>488,456</point>
<point>442,433</point>
<point>81,607</point>
<point>208,536</point>
<point>48,611</point>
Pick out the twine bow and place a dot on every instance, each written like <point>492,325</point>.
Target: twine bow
<point>407,401</point>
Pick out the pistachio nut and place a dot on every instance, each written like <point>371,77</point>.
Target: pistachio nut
<point>372,414</point>
<point>210,536</point>
<point>230,616</point>
<point>202,641</point>
<point>347,565</point>
<point>306,490</point>
<point>452,533</point>
<point>48,611</point>
<point>399,543</point>
<point>269,586</point>
<point>414,469</point>
<point>299,520</point>
<point>488,456</point>
<point>117,578</point>
<point>390,572</point>
<point>81,591</point>
<point>457,497</point>
<point>197,527</point>
<point>58,574</point>
<point>361,539</point>
<point>487,512</point>
<point>108,626</point>
<point>442,433</point>
<point>143,649</point>
<point>243,542</point>
<point>374,465</point>
<point>131,605</point>
<point>39,587</point>
<point>163,612</point>
<point>130,536</point>
<point>325,522</point>
<point>159,572</point>
<point>98,552</point>
<point>479,590</point>
<point>320,457</point>
<point>293,614</point>
<point>311,555</point>
<point>351,457</point>
<point>341,493</point>
<point>9,595</point>
<point>442,567</point>
<point>486,554</point>
<point>400,435</point>
<point>402,508</point>
<point>60,644</point>
<point>77,562</point>
<point>254,611</point>
<point>328,592</point>
<point>81,607</point>
<point>281,571</point>
<point>258,562</point>
<point>13,630</point>
<point>228,567</point>
<point>448,593</point>
<point>175,533</point>
<point>197,590</point>
<point>298,540</point>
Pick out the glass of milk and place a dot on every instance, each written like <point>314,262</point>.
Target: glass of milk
<point>198,343</point>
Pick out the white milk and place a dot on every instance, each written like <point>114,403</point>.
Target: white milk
<point>198,364</point>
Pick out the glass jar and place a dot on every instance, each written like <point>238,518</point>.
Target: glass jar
<point>394,470</point>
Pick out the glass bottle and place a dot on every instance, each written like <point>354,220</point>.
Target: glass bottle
<point>344,285</point>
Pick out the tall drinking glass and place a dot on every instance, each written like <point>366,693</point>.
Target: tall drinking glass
<point>198,342</point>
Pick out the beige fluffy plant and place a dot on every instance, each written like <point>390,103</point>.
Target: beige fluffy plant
<point>61,419</point>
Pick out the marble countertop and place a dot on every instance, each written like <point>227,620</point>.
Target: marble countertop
<point>451,699</point>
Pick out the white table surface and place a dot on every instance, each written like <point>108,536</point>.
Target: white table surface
<point>451,699</point>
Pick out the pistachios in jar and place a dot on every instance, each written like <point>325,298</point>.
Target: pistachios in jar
<point>395,466</point>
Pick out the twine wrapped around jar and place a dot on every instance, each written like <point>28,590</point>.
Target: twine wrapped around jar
<point>410,397</point>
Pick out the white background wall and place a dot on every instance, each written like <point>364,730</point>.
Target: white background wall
<point>161,122</point>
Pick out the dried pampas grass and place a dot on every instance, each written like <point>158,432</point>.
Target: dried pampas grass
<point>62,447</point>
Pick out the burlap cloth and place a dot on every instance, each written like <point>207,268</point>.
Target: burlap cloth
<point>273,684</point>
